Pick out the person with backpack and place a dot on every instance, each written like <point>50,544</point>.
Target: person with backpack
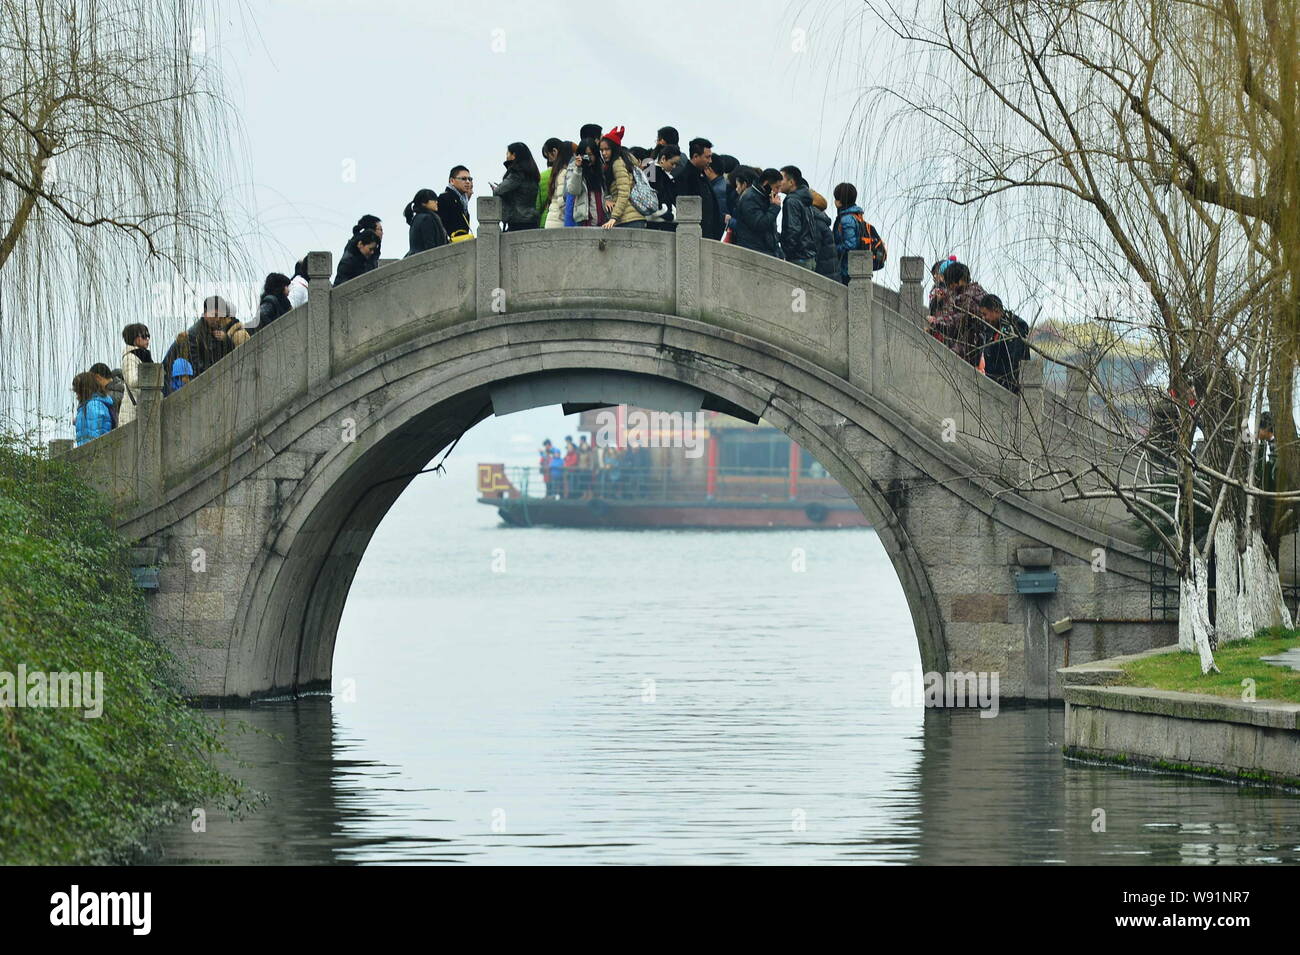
<point>1006,345</point>
<point>754,225</point>
<point>426,228</point>
<point>853,231</point>
<point>620,168</point>
<point>94,416</point>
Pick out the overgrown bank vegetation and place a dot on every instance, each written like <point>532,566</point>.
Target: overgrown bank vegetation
<point>75,789</point>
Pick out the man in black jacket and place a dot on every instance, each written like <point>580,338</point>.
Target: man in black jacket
<point>1005,345</point>
<point>691,181</point>
<point>798,237</point>
<point>358,258</point>
<point>453,205</point>
<point>754,224</point>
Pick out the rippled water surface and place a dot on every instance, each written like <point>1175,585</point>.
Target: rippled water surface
<point>551,696</point>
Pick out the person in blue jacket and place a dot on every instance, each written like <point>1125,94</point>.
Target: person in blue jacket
<point>557,473</point>
<point>94,415</point>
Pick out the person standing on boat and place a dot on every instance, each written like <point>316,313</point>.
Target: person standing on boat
<point>557,472</point>
<point>544,465</point>
<point>584,465</point>
<point>570,467</point>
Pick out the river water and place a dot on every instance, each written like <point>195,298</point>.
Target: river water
<point>508,695</point>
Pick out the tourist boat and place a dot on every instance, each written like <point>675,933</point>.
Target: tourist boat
<point>655,469</point>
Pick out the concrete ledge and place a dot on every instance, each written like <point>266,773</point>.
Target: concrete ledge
<point>1185,706</point>
<point>1182,732</point>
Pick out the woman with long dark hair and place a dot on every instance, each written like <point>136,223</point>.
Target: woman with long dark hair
<point>619,164</point>
<point>94,416</point>
<point>544,183</point>
<point>275,299</point>
<point>584,186</point>
<point>552,200</point>
<point>427,230</point>
<point>518,191</point>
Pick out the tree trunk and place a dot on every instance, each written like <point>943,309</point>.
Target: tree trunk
<point>1263,586</point>
<point>1194,612</point>
<point>1232,605</point>
<point>1281,378</point>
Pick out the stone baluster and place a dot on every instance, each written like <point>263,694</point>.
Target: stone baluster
<point>687,216</point>
<point>59,447</point>
<point>319,268</point>
<point>865,334</point>
<point>487,249</point>
<point>911,297</point>
<point>148,449</point>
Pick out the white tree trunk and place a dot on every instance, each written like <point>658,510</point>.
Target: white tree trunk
<point>1232,606</point>
<point>1194,613</point>
<point>1262,585</point>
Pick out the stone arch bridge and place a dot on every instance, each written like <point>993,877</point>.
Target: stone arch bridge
<point>277,464</point>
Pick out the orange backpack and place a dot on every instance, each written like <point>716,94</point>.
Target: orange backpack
<point>869,239</point>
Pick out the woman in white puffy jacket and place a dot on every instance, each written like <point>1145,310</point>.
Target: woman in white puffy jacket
<point>560,165</point>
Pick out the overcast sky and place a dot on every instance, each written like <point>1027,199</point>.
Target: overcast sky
<point>349,107</point>
<point>401,91</point>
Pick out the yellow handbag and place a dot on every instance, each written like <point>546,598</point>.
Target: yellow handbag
<point>462,235</point>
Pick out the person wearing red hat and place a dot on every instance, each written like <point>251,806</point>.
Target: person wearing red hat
<point>619,164</point>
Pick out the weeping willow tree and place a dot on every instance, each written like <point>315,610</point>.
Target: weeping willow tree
<point>117,158</point>
<point>1144,145</point>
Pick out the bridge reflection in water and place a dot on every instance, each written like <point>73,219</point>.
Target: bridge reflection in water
<point>986,792</point>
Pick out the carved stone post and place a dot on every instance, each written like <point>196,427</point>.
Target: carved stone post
<point>865,336</point>
<point>911,297</point>
<point>319,269</point>
<point>487,248</point>
<point>687,216</point>
<point>148,434</point>
<point>59,447</point>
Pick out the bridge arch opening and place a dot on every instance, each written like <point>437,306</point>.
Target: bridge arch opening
<point>288,618</point>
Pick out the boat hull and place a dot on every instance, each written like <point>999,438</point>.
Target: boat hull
<point>600,512</point>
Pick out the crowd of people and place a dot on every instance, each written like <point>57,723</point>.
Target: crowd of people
<point>594,182</point>
<point>585,469</point>
<point>976,325</point>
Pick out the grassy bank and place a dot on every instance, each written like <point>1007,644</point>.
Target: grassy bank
<point>75,789</point>
<point>1239,660</point>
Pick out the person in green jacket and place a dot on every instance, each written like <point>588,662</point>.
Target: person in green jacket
<point>549,150</point>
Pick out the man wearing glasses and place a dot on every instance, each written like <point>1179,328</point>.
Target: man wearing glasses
<point>453,205</point>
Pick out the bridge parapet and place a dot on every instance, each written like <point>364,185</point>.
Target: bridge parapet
<point>865,334</point>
